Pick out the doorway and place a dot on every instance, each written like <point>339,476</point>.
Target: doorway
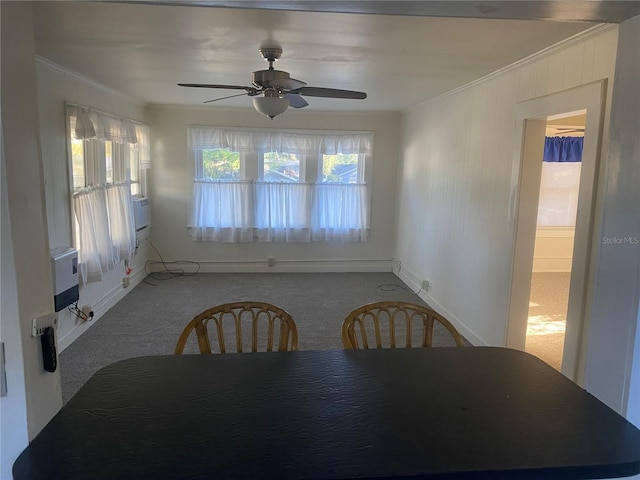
<point>554,239</point>
<point>532,118</point>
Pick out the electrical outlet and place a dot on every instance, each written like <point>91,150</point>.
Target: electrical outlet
<point>271,261</point>
<point>398,265</point>
<point>125,282</point>
<point>40,323</point>
<point>426,285</point>
<point>86,310</point>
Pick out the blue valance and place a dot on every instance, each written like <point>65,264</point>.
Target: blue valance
<point>563,149</point>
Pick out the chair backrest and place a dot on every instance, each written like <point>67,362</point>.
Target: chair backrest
<point>228,322</point>
<point>391,319</point>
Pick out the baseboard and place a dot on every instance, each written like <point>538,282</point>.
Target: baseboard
<point>100,308</point>
<point>283,266</point>
<point>555,265</point>
<point>413,282</point>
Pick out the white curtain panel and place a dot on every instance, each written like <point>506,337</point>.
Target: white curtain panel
<point>340,213</point>
<point>96,252</point>
<point>283,211</point>
<point>121,221</point>
<point>84,128</point>
<point>92,124</point>
<point>260,141</point>
<point>114,129</point>
<point>222,211</point>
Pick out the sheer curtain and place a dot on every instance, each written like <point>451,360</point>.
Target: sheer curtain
<point>279,211</point>
<point>96,252</point>
<point>222,211</point>
<point>339,212</point>
<point>283,211</point>
<point>104,211</point>
<point>121,221</point>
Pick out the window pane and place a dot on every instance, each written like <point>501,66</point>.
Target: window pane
<point>134,169</point>
<point>281,167</point>
<point>77,157</point>
<point>220,164</point>
<point>340,168</point>
<point>134,165</point>
<point>77,160</point>
<point>108,160</point>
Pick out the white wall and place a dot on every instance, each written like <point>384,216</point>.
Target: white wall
<point>55,87</point>
<point>172,184</point>
<point>13,406</point>
<point>455,221</point>
<point>613,343</point>
<point>28,223</point>
<point>553,251</point>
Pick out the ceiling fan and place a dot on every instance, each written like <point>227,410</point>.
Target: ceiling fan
<point>274,90</point>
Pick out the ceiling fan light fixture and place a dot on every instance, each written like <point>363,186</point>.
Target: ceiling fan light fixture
<point>271,106</point>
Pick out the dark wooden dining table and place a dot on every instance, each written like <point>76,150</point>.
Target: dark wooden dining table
<point>445,413</point>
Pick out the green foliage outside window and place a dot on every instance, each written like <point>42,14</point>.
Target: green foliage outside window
<point>340,168</point>
<point>220,164</point>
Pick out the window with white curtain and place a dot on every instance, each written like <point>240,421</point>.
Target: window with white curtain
<point>560,181</point>
<point>109,156</point>
<point>286,186</point>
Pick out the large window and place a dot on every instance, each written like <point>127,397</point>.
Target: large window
<point>108,156</point>
<point>279,185</point>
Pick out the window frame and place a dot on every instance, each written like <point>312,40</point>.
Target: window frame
<point>253,145</point>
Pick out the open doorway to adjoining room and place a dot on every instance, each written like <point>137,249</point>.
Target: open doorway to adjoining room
<point>555,232</point>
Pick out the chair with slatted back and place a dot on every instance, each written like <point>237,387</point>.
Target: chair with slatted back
<point>236,323</point>
<point>383,320</point>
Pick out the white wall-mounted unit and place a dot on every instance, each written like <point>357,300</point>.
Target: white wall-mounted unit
<point>141,213</point>
<point>64,266</point>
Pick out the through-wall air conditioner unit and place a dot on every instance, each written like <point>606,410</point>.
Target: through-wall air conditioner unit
<point>141,213</point>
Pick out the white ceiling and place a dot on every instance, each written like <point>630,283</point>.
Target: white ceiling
<point>144,50</point>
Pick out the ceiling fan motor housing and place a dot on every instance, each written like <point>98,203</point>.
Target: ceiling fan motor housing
<point>263,78</point>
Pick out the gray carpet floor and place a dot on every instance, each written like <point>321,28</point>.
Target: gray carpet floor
<point>150,318</point>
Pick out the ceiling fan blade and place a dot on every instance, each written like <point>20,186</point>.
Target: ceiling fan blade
<point>287,83</point>
<point>224,98</point>
<point>296,101</point>
<point>329,93</point>
<point>209,85</point>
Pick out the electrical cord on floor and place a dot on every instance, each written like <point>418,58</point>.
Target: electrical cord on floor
<point>392,287</point>
<point>73,308</point>
<point>168,273</point>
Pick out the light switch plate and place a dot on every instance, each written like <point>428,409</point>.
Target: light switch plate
<point>40,323</point>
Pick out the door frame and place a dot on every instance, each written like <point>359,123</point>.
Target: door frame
<point>531,118</point>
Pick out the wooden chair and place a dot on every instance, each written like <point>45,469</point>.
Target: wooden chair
<point>259,317</point>
<point>388,318</point>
